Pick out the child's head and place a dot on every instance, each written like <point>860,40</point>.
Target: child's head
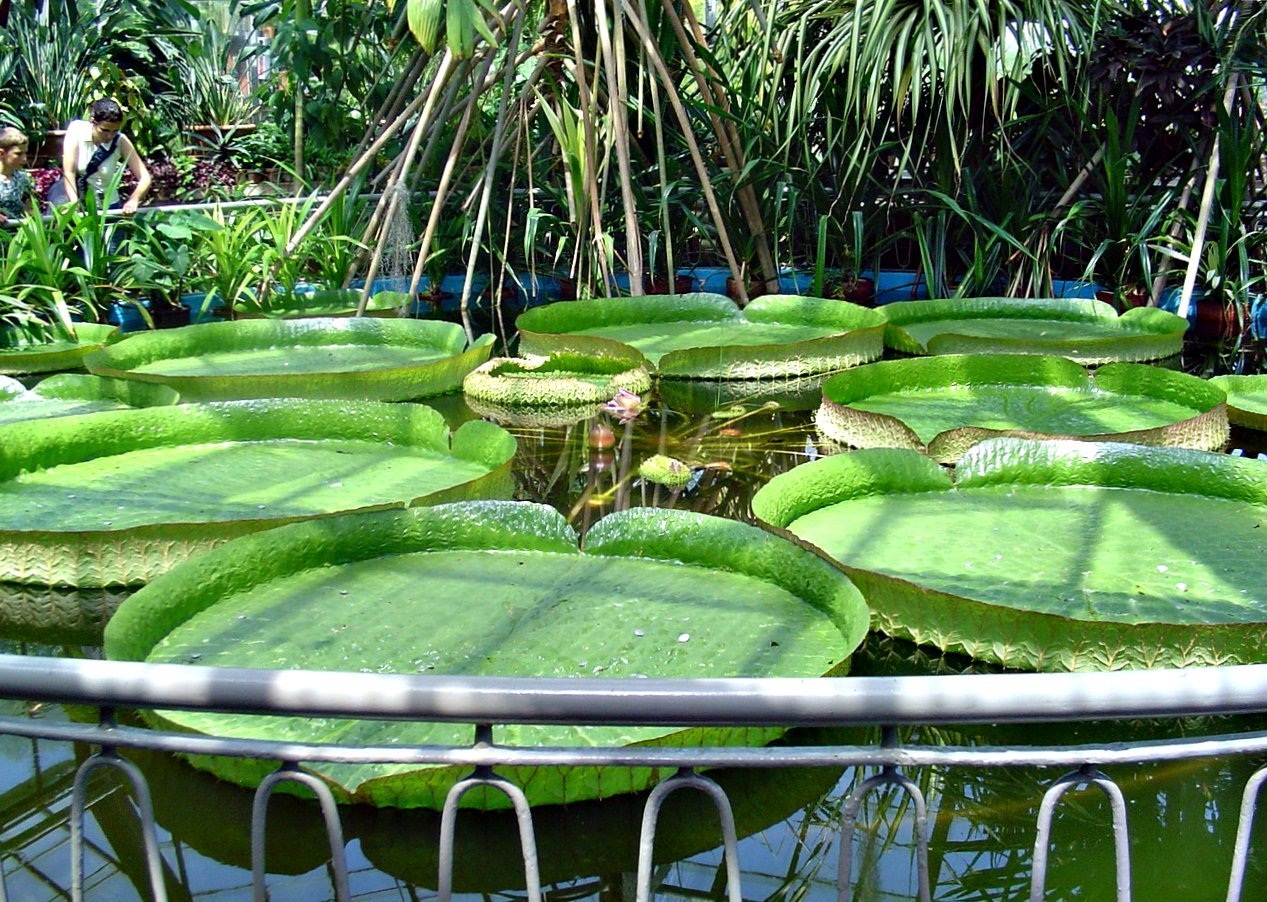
<point>13,146</point>
<point>11,137</point>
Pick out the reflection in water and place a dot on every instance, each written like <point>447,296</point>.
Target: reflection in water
<point>982,821</point>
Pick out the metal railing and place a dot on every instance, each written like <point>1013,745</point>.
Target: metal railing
<point>887,702</point>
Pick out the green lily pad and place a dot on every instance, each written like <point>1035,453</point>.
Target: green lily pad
<point>1087,331</point>
<point>562,380</point>
<point>945,405</point>
<point>116,498</point>
<point>654,593</point>
<point>324,302</point>
<point>357,358</point>
<point>1046,555</point>
<point>41,349</point>
<point>68,394</point>
<point>1246,399</point>
<point>707,336</point>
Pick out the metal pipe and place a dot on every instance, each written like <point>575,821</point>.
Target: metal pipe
<point>972,698</point>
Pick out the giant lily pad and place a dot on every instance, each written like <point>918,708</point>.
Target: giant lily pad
<point>324,302</point>
<point>1047,555</point>
<point>43,349</point>
<point>360,358</point>
<point>655,593</point>
<point>1246,399</point>
<point>707,336</point>
<point>1087,331</point>
<point>67,394</point>
<point>944,405</point>
<point>556,381</point>
<point>116,498</point>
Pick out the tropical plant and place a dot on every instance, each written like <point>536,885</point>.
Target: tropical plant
<point>44,273</point>
<point>235,255</point>
<point>212,94</point>
<point>67,52</point>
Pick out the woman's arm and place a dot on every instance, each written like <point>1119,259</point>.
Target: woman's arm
<point>70,162</point>
<point>140,170</point>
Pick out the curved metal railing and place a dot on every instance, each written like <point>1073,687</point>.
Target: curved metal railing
<point>483,702</point>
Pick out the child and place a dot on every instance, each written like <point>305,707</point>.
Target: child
<point>17,190</point>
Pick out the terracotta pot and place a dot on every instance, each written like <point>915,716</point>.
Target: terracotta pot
<point>1217,321</point>
<point>857,290</point>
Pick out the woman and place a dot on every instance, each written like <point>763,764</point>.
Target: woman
<point>92,152</point>
<point>17,190</point>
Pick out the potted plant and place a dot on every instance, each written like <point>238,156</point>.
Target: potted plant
<point>234,256</point>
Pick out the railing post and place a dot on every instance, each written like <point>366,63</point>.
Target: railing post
<point>289,772</point>
<point>1121,840</point>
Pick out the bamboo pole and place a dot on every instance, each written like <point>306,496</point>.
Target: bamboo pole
<point>727,140</point>
<point>1207,204</point>
<point>591,219</point>
<point>706,186</point>
<point>494,157</point>
<point>447,66</point>
<point>419,102</point>
<point>618,111</point>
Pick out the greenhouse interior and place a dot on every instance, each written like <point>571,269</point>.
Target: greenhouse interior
<point>874,391</point>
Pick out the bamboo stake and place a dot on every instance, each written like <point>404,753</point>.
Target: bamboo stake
<point>390,107</point>
<point>450,166</point>
<point>1207,204</point>
<point>593,219</point>
<point>618,111</point>
<point>419,102</point>
<point>389,192</point>
<point>494,157</point>
<point>706,185</point>
<point>727,139</point>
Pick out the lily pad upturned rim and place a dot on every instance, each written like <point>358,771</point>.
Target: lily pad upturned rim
<point>324,302</point>
<point>28,356</point>
<point>857,334</point>
<point>109,556</point>
<point>1139,334</point>
<point>990,632</point>
<point>511,382</point>
<point>1206,429</point>
<point>639,534</point>
<point>395,383</point>
<point>1246,400</point>
<point>85,387</point>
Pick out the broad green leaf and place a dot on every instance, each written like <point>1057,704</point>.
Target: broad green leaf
<point>558,380</point>
<point>359,358</point>
<point>1246,399</point>
<point>655,593</point>
<point>707,336</point>
<point>38,349</point>
<point>1087,331</point>
<point>115,498</point>
<point>943,405</point>
<point>68,394</point>
<point>1052,555</point>
<point>424,21</point>
<point>460,16</point>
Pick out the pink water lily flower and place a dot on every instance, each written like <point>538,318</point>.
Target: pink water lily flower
<point>625,406</point>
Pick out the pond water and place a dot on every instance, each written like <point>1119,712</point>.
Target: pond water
<point>982,822</point>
